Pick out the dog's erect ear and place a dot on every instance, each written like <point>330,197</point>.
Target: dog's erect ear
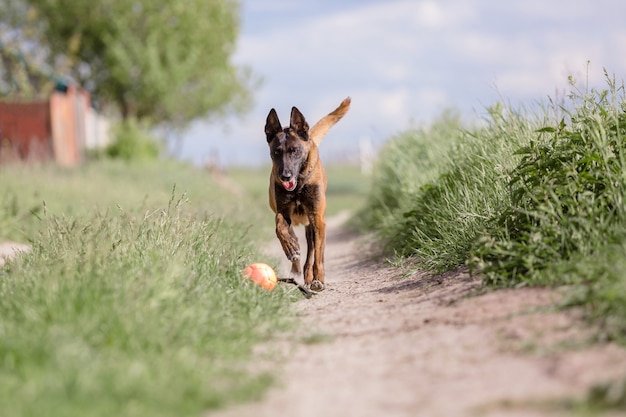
<point>298,124</point>
<point>272,125</point>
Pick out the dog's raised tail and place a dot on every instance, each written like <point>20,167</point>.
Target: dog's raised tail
<point>321,128</point>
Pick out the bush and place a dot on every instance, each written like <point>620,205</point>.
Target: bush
<point>133,142</point>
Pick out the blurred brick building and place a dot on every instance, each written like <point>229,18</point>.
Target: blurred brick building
<point>59,129</point>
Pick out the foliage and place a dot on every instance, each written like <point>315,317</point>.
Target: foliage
<point>606,397</point>
<point>438,188</point>
<point>21,76</point>
<point>132,142</point>
<point>164,61</point>
<point>566,194</point>
<point>597,283</point>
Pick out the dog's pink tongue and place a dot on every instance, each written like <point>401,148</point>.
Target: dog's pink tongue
<point>289,185</point>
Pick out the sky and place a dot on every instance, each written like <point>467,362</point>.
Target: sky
<point>403,63</point>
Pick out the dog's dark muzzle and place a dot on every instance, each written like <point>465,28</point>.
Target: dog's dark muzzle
<point>289,184</point>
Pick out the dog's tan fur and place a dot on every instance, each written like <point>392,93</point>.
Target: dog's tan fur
<point>297,191</point>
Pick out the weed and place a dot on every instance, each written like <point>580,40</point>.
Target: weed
<point>603,397</point>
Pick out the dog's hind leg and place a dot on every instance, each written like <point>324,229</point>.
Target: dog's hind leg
<point>289,242</point>
<point>310,254</point>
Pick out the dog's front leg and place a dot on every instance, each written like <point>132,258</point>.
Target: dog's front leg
<point>289,242</point>
<point>316,242</point>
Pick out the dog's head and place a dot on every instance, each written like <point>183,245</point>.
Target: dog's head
<point>289,147</point>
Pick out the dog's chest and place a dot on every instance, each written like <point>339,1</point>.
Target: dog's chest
<point>300,204</point>
<point>298,207</point>
<point>299,213</point>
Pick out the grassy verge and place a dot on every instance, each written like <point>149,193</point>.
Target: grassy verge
<point>434,189</point>
<point>131,302</point>
<point>107,185</point>
<point>525,199</point>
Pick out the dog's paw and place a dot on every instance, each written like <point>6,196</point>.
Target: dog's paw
<point>292,252</point>
<point>317,285</point>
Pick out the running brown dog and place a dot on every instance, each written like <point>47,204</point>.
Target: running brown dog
<point>298,188</point>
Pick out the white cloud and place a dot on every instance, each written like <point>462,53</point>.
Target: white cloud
<point>433,97</point>
<point>393,105</point>
<point>560,10</point>
<point>430,14</point>
<point>447,15</point>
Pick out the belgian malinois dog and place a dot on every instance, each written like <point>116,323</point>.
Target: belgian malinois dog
<point>298,188</point>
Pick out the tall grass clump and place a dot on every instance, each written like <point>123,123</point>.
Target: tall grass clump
<point>566,194</point>
<point>115,313</point>
<point>523,200</point>
<point>409,161</point>
<point>446,184</point>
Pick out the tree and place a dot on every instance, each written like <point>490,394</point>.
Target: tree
<point>23,74</point>
<point>160,61</point>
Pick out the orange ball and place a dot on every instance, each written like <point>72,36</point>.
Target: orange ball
<point>262,274</point>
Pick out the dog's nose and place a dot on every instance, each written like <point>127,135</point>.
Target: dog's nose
<point>286,175</point>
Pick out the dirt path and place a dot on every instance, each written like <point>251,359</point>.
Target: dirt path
<point>377,344</point>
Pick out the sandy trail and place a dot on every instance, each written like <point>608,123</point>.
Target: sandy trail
<point>378,344</point>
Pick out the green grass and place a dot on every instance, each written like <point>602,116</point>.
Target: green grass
<point>566,219</point>
<point>104,186</point>
<point>408,162</point>
<point>131,301</point>
<point>434,189</point>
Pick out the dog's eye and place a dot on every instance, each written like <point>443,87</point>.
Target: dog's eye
<point>294,151</point>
